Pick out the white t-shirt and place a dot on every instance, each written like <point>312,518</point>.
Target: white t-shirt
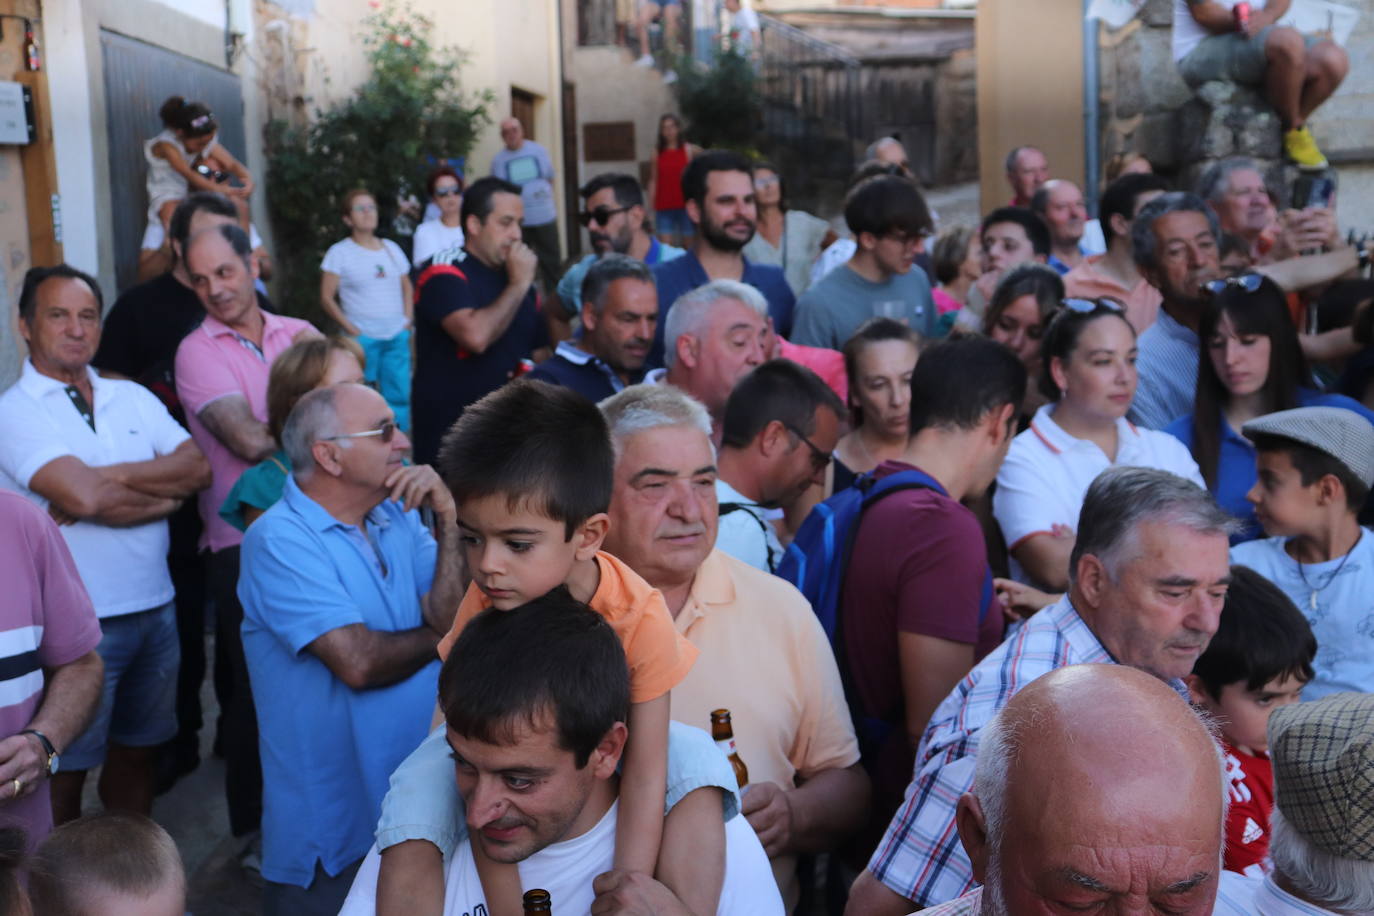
<point>566,870</point>
<point>123,569</point>
<point>433,236</point>
<point>370,285</point>
<point>1046,474</point>
<point>746,533</point>
<point>1187,32</point>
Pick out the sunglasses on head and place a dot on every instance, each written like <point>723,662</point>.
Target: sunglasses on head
<point>1088,306</point>
<point>1247,282</point>
<point>601,215</point>
<point>386,432</point>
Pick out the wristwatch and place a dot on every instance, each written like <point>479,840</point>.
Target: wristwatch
<point>47,748</point>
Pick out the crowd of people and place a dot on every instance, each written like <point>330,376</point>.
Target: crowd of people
<point>1012,568</point>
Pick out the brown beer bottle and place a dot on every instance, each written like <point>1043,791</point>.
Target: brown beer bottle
<point>538,901</point>
<point>724,735</point>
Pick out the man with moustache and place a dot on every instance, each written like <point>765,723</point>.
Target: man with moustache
<point>614,217</point>
<point>719,190</point>
<point>476,314</point>
<point>619,311</point>
<point>1176,244</point>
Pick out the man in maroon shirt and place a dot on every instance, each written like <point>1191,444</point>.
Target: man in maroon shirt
<point>918,609</point>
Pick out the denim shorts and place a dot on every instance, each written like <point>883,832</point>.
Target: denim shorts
<point>137,708</point>
<point>1233,57</point>
<point>423,802</point>
<point>673,222</point>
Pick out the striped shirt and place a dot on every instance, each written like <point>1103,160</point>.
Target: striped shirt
<point>1167,362</point>
<point>1241,896</point>
<point>920,856</point>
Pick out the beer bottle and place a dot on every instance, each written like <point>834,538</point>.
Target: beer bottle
<point>538,901</point>
<point>724,735</point>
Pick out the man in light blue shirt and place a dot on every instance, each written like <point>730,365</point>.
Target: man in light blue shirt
<point>345,595</point>
<point>527,164</point>
<point>1176,244</point>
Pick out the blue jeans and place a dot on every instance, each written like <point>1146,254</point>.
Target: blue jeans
<point>138,702</point>
<point>388,370</point>
<point>423,802</point>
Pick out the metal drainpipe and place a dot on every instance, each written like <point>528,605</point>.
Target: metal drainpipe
<point>1092,141</point>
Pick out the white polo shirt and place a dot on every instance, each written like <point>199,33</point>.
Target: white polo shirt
<point>1047,472</point>
<point>124,569</point>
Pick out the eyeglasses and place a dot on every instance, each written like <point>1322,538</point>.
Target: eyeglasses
<point>905,239</point>
<point>765,182</point>
<point>601,215</point>
<point>820,459</point>
<point>1247,282</point>
<point>386,432</point>
<point>447,192</point>
<point>364,208</point>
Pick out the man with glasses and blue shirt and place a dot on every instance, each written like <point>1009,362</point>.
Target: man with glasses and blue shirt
<point>345,593</point>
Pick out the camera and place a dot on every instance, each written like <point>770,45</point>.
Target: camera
<point>214,175</point>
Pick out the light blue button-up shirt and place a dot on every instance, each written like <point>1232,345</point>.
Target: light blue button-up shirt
<point>328,750</point>
<point>1168,373</point>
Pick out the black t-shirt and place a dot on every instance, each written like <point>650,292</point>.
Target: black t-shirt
<point>447,377</point>
<point>141,334</point>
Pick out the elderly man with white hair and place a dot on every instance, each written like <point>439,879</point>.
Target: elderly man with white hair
<point>345,594</point>
<point>715,335</point>
<point>764,656</point>
<point>1073,758</point>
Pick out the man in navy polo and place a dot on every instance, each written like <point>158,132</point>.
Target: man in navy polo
<point>619,311</point>
<point>719,190</point>
<point>345,595</point>
<point>476,314</point>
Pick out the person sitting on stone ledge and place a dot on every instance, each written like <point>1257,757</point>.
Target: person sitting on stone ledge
<point>1241,43</point>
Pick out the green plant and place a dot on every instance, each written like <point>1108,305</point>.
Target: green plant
<point>720,102</point>
<point>410,108</point>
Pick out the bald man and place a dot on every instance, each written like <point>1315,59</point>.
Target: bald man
<point>1111,792</point>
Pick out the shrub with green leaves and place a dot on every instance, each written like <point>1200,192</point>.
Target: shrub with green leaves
<point>721,102</point>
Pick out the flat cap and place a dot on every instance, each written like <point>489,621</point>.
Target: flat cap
<point>1343,434</point>
<point>1323,757</point>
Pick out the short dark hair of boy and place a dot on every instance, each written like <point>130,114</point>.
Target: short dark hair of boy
<point>1313,464</point>
<point>958,382</point>
<point>551,657</point>
<point>1120,198</point>
<point>35,277</point>
<point>887,204</point>
<point>1036,230</point>
<point>542,446</point>
<point>477,198</point>
<point>1262,636</point>
<point>695,175</point>
<point>112,851</point>
<point>626,188</point>
<point>777,390</point>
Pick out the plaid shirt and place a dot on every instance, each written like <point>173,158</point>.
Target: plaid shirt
<point>920,856</point>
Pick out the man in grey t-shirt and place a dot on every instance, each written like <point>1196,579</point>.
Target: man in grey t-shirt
<point>890,221</point>
<point>527,164</point>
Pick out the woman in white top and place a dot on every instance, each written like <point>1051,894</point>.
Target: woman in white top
<point>790,239</point>
<point>1089,354</point>
<point>435,235</point>
<point>365,287</point>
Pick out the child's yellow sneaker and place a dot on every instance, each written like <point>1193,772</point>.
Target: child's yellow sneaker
<point>1301,149</point>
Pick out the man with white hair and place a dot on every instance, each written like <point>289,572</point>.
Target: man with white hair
<point>1070,759</point>
<point>345,595</point>
<point>764,656</point>
<point>1322,825</point>
<point>1027,170</point>
<point>716,335</point>
<point>1147,580</point>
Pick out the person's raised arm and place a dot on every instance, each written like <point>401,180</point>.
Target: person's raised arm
<point>1212,16</point>
<point>1045,557</point>
<point>417,486</point>
<point>364,658</point>
<point>1304,271</point>
<point>230,420</point>
<point>237,169</point>
<point>197,181</point>
<point>78,492</point>
<point>476,329</point>
<point>176,475</point>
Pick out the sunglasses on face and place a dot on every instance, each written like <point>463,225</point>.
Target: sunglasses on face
<point>601,215</point>
<point>447,192</point>
<point>1247,282</point>
<point>820,458</point>
<point>386,432</point>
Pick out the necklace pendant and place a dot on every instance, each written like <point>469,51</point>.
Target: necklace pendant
<point>1312,600</point>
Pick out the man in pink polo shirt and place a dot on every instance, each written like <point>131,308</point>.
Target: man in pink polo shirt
<point>221,378</point>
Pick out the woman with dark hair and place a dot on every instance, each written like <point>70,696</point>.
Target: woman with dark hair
<point>671,156</point>
<point>1089,378</point>
<point>790,239</point>
<point>878,362</point>
<point>1021,307</point>
<point>1251,364</point>
<point>445,231</point>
